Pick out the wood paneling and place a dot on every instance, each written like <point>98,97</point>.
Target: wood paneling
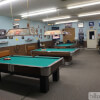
<point>29,49</point>
<point>22,49</point>
<point>48,44</point>
<point>70,36</point>
<point>4,53</point>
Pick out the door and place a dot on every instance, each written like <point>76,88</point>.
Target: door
<point>91,39</point>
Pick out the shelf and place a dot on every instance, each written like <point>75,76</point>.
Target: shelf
<point>3,42</point>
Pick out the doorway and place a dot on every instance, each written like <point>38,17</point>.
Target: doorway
<point>91,39</point>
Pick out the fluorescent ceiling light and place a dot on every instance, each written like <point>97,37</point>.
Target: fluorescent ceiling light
<point>89,14</point>
<point>40,12</point>
<point>56,18</point>
<point>83,4</point>
<point>69,21</point>
<point>5,1</point>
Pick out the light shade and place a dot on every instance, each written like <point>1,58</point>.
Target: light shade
<point>69,21</point>
<point>40,12</point>
<point>89,14</point>
<point>56,18</point>
<point>53,32</point>
<point>84,4</point>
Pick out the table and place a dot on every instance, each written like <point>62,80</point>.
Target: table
<point>67,45</point>
<point>39,67</point>
<point>67,53</point>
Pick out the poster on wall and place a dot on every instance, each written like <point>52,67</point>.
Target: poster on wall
<point>81,34</point>
<point>3,34</point>
<point>33,31</point>
<point>91,23</point>
<point>16,25</point>
<point>68,25</point>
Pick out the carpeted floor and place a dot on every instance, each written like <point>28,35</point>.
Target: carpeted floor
<point>76,81</point>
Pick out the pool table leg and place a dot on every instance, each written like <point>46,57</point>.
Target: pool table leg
<point>0,76</point>
<point>44,84</point>
<point>56,75</point>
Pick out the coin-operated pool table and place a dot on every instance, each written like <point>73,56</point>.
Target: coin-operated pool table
<point>39,67</point>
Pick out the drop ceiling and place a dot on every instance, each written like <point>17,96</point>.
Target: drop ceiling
<point>20,6</point>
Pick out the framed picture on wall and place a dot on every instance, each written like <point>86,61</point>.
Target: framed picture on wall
<point>68,25</point>
<point>91,23</point>
<point>16,25</point>
<point>3,34</point>
<point>10,37</point>
<point>80,24</point>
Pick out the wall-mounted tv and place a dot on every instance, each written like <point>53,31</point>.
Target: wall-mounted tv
<point>56,37</point>
<point>55,28</point>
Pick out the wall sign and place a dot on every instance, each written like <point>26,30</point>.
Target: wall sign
<point>81,34</point>
<point>91,23</point>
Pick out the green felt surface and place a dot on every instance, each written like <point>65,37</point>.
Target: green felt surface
<point>68,44</point>
<point>71,50</point>
<point>38,61</point>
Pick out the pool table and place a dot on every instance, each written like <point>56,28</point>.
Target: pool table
<point>64,52</point>
<point>67,45</point>
<point>39,67</point>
